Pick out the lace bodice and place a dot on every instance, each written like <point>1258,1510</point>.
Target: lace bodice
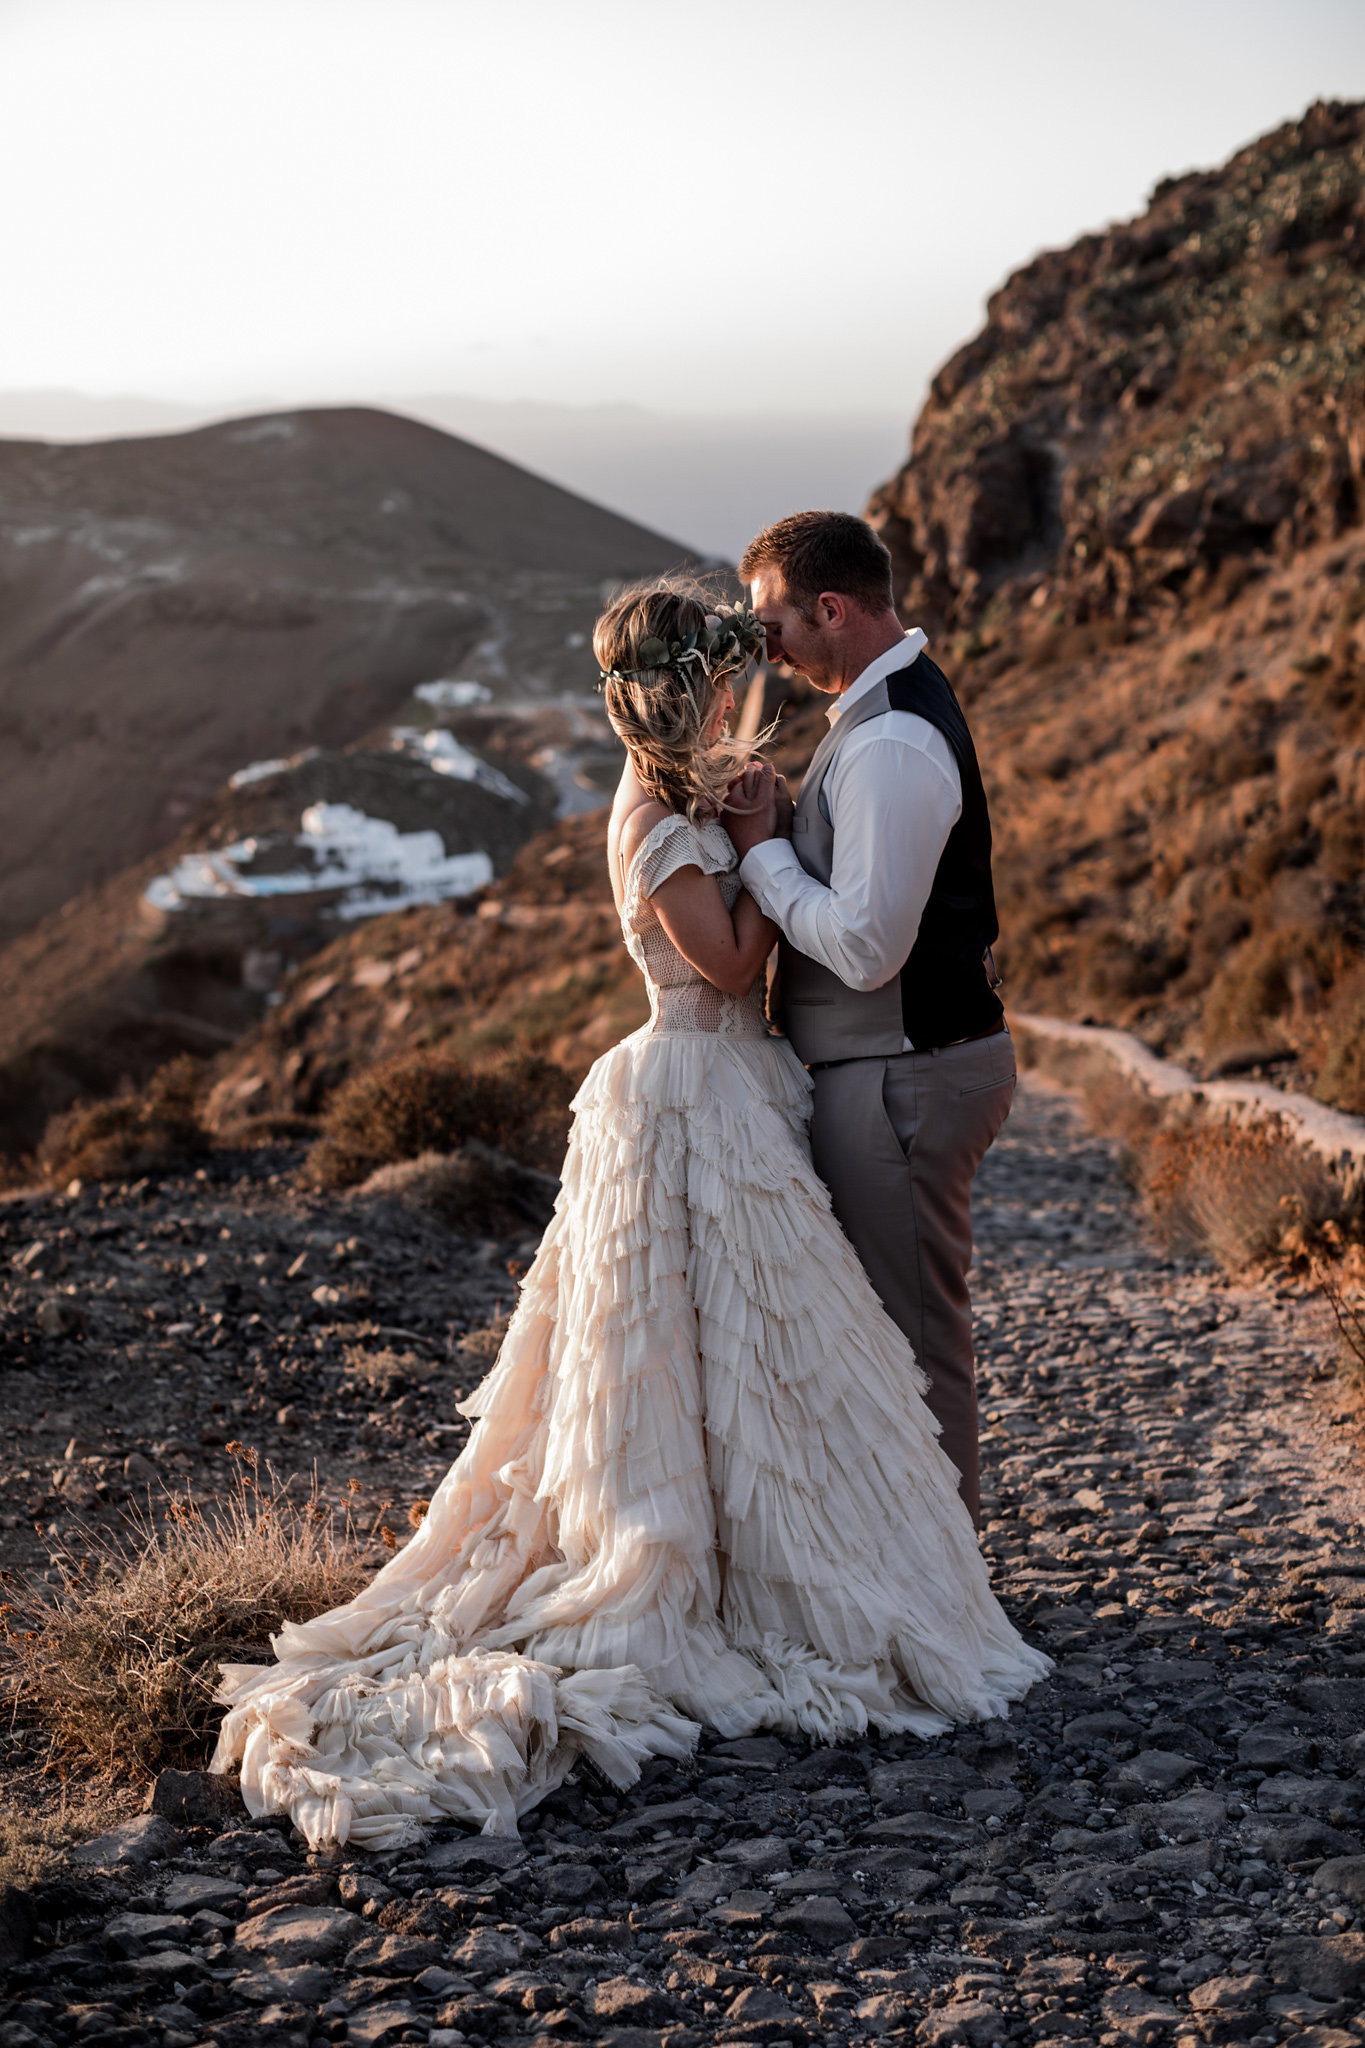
<point>681,999</point>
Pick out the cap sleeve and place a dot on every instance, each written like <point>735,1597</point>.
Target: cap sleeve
<point>673,844</point>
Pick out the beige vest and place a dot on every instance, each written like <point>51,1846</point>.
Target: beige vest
<point>822,1016</point>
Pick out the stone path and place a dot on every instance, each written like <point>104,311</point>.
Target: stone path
<point>1164,1845</point>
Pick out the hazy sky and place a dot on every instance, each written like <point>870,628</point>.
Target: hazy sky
<point>716,205</point>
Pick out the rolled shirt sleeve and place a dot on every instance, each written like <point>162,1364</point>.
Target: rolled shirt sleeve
<point>894,795</point>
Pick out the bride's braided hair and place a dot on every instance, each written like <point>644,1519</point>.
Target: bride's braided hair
<point>660,713</point>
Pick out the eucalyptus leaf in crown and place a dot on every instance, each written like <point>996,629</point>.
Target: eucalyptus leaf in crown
<point>730,639</point>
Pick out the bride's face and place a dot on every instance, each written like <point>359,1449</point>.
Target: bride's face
<point>724,704</point>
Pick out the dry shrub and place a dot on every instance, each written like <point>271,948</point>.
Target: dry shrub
<point>1242,1191</point>
<point>119,1661</point>
<point>1260,999</point>
<point>156,1130</point>
<point>430,1102</point>
<point>385,1372</point>
<point>481,1347</point>
<point>1341,1070</point>
<point>1122,1109</point>
<point>477,1190</point>
<point>1340,1286</point>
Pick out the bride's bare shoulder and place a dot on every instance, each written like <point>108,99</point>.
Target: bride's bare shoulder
<point>636,827</point>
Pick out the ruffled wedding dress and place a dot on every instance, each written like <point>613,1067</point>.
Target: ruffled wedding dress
<point>702,1486</point>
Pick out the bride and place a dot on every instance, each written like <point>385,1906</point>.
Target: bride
<point>703,1485</point>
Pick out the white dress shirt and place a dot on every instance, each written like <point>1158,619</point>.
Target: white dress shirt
<point>893,795</point>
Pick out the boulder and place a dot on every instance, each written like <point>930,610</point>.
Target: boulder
<point>301,1934</point>
<point>131,1845</point>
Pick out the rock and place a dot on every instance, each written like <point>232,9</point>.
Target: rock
<point>1343,1874</point>
<point>1151,1770</point>
<point>60,1316</point>
<point>394,1955</point>
<point>929,1828</point>
<point>201,1895</point>
<point>376,2023</point>
<point>922,1778</point>
<point>1329,1966</point>
<point>1136,2015</point>
<point>1228,1994</point>
<point>1307,1838</point>
<point>760,1854</point>
<point>1088,1729</point>
<point>143,1925</point>
<point>301,1934</point>
<point>130,1845</point>
<point>758,2014</point>
<point>1337,1699</point>
<point>572,1884</point>
<point>1286,1793</point>
<point>474,1853</point>
<point>1274,1749</point>
<point>743,1909</point>
<point>966,2023</point>
<point>296,1983</point>
<point>487,1953</point>
<point>632,2005</point>
<point>884,2011</point>
<point>822,1922</point>
<point>992,1801</point>
<point>189,1796</point>
<point>139,1468</point>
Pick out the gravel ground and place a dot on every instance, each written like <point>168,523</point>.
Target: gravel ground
<point>1166,1844</point>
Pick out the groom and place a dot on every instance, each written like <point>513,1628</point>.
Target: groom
<point>884,901</point>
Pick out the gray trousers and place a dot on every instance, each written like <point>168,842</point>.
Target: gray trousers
<point>897,1142</point>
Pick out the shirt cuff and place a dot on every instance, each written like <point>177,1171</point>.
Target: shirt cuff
<point>764,864</point>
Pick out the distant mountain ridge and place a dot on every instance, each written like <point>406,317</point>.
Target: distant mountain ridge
<point>178,606</point>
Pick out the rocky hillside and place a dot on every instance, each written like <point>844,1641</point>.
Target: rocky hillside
<point>1155,407</point>
<point>1131,521</point>
<point>174,609</point>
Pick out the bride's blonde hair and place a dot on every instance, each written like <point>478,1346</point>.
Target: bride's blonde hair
<point>660,715</point>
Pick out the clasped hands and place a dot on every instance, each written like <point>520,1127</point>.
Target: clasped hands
<point>758,807</point>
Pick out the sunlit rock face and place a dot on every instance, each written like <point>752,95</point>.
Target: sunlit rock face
<point>1179,393</point>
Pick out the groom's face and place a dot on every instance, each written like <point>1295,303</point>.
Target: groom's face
<point>801,642</point>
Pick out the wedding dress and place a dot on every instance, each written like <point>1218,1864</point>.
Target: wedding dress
<point>703,1485</point>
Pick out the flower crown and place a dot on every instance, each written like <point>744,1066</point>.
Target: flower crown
<point>731,638</point>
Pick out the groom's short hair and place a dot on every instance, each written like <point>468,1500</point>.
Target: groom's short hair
<point>815,551</point>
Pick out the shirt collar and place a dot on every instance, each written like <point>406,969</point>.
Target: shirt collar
<point>900,656</point>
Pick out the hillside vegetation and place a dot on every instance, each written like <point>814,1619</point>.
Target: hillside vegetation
<point>1130,521</point>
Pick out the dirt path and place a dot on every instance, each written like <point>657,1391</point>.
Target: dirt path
<point>1164,1844</point>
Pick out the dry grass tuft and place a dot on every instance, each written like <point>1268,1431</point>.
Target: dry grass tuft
<point>1243,1191</point>
<point>119,1662</point>
<point>1342,1287</point>
<point>427,1102</point>
<point>154,1131</point>
<point>32,1847</point>
<point>385,1372</point>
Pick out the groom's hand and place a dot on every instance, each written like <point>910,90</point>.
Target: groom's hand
<point>751,816</point>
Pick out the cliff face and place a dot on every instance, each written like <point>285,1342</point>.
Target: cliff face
<point>1146,412</point>
<point>1132,523</point>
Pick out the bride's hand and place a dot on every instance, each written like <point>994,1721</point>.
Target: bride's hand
<point>752,816</point>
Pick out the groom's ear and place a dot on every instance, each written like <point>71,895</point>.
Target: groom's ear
<point>832,609</point>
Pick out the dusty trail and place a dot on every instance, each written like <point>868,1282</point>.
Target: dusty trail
<point>1165,1844</point>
